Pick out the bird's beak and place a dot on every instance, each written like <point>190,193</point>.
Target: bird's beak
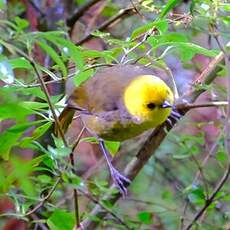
<point>166,104</point>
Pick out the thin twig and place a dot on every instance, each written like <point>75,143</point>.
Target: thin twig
<point>32,3</point>
<point>211,198</point>
<point>45,199</point>
<point>211,152</point>
<point>200,168</point>
<point>40,226</point>
<point>122,13</point>
<point>80,11</point>
<point>183,106</point>
<point>227,63</point>
<point>135,8</point>
<point>32,85</point>
<point>152,203</point>
<point>94,200</point>
<point>145,37</point>
<point>78,139</point>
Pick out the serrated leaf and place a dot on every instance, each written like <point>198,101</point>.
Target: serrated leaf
<point>53,54</point>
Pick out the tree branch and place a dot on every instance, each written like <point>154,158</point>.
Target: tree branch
<point>154,140</point>
<point>45,199</point>
<point>80,11</point>
<point>121,14</point>
<point>211,198</point>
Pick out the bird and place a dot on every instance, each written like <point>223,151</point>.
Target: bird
<point>118,103</point>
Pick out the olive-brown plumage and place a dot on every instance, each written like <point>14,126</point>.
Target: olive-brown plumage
<point>119,103</point>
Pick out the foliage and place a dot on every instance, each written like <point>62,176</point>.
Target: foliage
<point>175,183</point>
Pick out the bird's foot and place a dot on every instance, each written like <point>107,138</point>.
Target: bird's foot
<point>120,181</point>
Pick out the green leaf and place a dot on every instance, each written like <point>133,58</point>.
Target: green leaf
<point>71,178</point>
<point>35,91</point>
<point>161,25</point>
<point>107,55</point>
<point>7,141</point>
<point>186,49</point>
<point>82,77</point>
<point>225,6</point>
<point>8,46</point>
<point>71,50</point>
<point>145,217</point>
<point>196,194</point>
<point>100,34</point>
<point>89,139</point>
<point>21,23</point>
<point>112,146</point>
<point>221,156</point>
<point>7,111</point>
<point>169,6</point>
<point>61,220</point>
<point>20,63</point>
<point>110,10</point>
<point>39,131</point>
<point>20,173</point>
<point>60,152</point>
<point>53,54</point>
<point>68,48</point>
<point>2,4</point>
<point>9,138</point>
<point>22,127</point>
<point>34,105</point>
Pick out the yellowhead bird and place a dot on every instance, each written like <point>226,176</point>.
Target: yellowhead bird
<point>118,103</point>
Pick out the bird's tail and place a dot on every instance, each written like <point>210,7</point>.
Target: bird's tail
<point>65,119</point>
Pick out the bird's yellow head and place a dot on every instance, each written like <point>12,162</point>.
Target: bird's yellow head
<point>148,99</point>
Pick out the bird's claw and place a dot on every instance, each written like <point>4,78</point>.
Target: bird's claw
<point>175,115</point>
<point>120,181</point>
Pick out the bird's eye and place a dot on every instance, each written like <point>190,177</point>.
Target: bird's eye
<point>151,105</point>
